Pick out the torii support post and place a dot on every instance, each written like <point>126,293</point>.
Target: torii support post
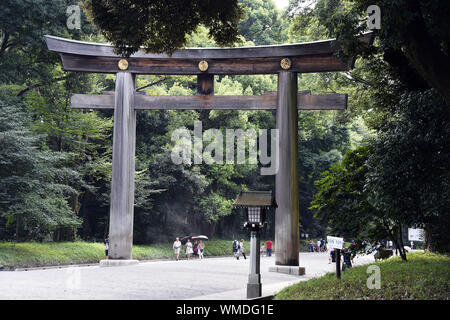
<point>122,184</point>
<point>286,180</point>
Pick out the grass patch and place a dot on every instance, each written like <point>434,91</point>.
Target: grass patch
<point>426,276</point>
<point>35,254</point>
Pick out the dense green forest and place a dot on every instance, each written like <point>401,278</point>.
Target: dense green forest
<point>366,172</point>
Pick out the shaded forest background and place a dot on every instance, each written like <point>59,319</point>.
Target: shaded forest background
<point>384,160</point>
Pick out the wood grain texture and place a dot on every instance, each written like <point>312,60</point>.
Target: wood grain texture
<point>81,48</point>
<point>206,102</point>
<point>319,56</point>
<point>286,179</point>
<point>92,101</point>
<point>205,84</point>
<point>303,64</point>
<point>123,167</point>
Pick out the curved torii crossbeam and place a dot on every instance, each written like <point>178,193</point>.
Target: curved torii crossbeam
<point>319,56</point>
<point>284,60</point>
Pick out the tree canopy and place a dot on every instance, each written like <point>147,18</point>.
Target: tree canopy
<point>161,26</point>
<point>413,38</point>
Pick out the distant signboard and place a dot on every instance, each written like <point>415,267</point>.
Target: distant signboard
<point>335,242</point>
<point>415,234</point>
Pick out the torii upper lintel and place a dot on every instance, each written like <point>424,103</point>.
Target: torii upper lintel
<point>318,56</point>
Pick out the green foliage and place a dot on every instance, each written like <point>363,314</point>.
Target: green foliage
<point>413,39</point>
<point>262,24</point>
<point>400,178</point>
<point>216,207</point>
<point>34,193</point>
<point>409,170</point>
<point>424,277</point>
<point>161,26</point>
<point>24,57</point>
<point>341,194</point>
<point>389,89</point>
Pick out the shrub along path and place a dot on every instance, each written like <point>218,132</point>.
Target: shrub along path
<point>425,276</point>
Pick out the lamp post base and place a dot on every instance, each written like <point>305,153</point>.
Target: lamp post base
<point>254,290</point>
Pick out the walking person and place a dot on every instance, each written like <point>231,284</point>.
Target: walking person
<point>332,256</point>
<point>236,250</point>
<point>106,247</point>
<point>242,248</point>
<point>262,250</point>
<point>269,248</point>
<point>311,246</point>
<point>347,259</point>
<point>177,248</point>
<point>201,249</point>
<point>195,248</point>
<point>189,250</point>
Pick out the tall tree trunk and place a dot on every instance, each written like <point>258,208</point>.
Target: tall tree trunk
<point>86,228</point>
<point>17,229</point>
<point>392,236</point>
<point>402,246</point>
<point>212,229</point>
<point>4,44</point>
<point>426,55</point>
<point>427,244</point>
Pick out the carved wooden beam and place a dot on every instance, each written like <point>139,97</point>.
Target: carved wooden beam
<point>305,101</point>
<point>318,56</point>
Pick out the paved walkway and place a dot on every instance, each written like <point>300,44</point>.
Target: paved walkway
<point>213,278</point>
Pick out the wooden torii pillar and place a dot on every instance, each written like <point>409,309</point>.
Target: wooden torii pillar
<point>284,60</point>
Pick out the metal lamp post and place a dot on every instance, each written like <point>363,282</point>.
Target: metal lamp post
<point>255,204</point>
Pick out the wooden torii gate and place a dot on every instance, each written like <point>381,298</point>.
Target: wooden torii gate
<point>284,60</point>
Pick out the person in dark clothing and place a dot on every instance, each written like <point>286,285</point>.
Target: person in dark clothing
<point>347,259</point>
<point>106,242</point>
<point>332,257</point>
<point>236,251</point>
<point>195,248</point>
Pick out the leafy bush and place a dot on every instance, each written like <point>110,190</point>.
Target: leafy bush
<point>424,277</point>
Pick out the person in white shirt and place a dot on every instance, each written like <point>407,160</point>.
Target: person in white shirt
<point>177,247</point>
<point>201,249</point>
<point>242,249</point>
<point>189,249</point>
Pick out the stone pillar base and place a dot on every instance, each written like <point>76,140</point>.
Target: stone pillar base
<point>254,290</point>
<point>117,262</point>
<point>296,270</point>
